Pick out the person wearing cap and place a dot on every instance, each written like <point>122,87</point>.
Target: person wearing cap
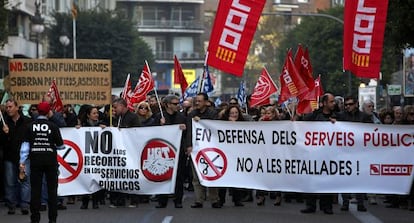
<point>41,142</point>
<point>11,137</point>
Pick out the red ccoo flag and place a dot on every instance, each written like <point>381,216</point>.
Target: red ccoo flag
<point>364,27</point>
<point>179,77</point>
<point>232,33</point>
<point>263,89</point>
<point>144,86</point>
<point>311,102</point>
<point>292,84</point>
<point>304,67</point>
<point>53,93</point>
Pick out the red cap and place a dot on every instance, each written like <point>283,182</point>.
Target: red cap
<point>43,108</point>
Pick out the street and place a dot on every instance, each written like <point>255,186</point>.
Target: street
<point>250,213</point>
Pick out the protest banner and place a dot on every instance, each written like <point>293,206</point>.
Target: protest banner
<point>131,160</point>
<point>80,81</point>
<point>312,157</point>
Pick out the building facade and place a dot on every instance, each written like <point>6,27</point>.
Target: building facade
<point>169,27</point>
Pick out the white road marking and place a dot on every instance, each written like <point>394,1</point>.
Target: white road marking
<point>363,217</point>
<point>167,219</point>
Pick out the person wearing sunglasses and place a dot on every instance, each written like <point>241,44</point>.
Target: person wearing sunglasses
<point>172,116</point>
<point>353,114</point>
<point>145,114</point>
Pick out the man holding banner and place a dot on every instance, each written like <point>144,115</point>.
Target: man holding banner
<point>201,111</point>
<point>325,113</point>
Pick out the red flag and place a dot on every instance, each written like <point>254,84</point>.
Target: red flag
<point>311,102</point>
<point>292,84</point>
<point>364,26</point>
<point>144,86</point>
<point>127,94</point>
<point>232,33</point>
<point>179,77</point>
<point>53,93</point>
<point>304,67</point>
<point>263,89</point>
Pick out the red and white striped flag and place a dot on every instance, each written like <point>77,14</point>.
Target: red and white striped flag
<point>127,94</point>
<point>264,88</point>
<point>53,93</point>
<point>144,86</point>
<point>364,27</point>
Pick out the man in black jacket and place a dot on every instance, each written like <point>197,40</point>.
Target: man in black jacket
<point>124,118</point>
<point>352,113</point>
<point>41,141</point>
<point>173,116</point>
<point>325,113</point>
<point>11,138</point>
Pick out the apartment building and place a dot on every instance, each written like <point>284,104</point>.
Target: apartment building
<point>170,27</point>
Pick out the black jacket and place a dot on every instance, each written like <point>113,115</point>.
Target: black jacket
<point>12,141</point>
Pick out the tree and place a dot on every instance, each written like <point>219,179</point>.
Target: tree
<point>324,38</point>
<point>103,35</point>
<point>263,49</point>
<point>400,23</point>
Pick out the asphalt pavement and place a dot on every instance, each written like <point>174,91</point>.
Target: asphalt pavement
<point>250,213</point>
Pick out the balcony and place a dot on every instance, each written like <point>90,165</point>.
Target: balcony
<point>182,55</point>
<point>186,26</point>
<point>20,46</point>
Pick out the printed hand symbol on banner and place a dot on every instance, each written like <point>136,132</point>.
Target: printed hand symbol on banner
<point>158,166</point>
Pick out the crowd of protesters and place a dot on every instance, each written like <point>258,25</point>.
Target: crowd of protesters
<point>16,193</point>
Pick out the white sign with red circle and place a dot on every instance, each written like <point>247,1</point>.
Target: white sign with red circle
<point>70,162</point>
<point>211,163</point>
<point>157,160</point>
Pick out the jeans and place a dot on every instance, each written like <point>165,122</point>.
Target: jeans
<point>16,193</point>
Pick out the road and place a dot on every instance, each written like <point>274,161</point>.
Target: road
<point>250,213</point>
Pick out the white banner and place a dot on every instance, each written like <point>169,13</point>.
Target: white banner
<point>315,157</point>
<point>131,160</point>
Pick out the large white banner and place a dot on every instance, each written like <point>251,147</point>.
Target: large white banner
<point>315,157</point>
<point>131,160</point>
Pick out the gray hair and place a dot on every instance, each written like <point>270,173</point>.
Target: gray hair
<point>169,98</point>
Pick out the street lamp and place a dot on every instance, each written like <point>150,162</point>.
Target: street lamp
<point>64,40</point>
<point>37,26</point>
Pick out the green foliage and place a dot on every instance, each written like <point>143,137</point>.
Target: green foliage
<point>400,23</point>
<point>324,38</point>
<point>103,35</point>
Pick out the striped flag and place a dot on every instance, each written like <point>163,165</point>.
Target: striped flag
<point>207,84</point>
<point>241,94</point>
<point>192,90</point>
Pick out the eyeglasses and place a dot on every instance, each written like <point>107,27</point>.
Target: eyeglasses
<point>143,108</point>
<point>174,103</point>
<point>349,104</point>
<point>33,109</point>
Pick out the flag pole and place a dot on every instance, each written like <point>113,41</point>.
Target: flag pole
<point>74,37</point>
<point>155,90</point>
<point>317,97</point>
<point>202,76</point>
<point>2,118</point>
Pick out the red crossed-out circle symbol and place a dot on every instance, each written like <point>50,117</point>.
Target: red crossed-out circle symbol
<point>212,163</point>
<point>69,170</point>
